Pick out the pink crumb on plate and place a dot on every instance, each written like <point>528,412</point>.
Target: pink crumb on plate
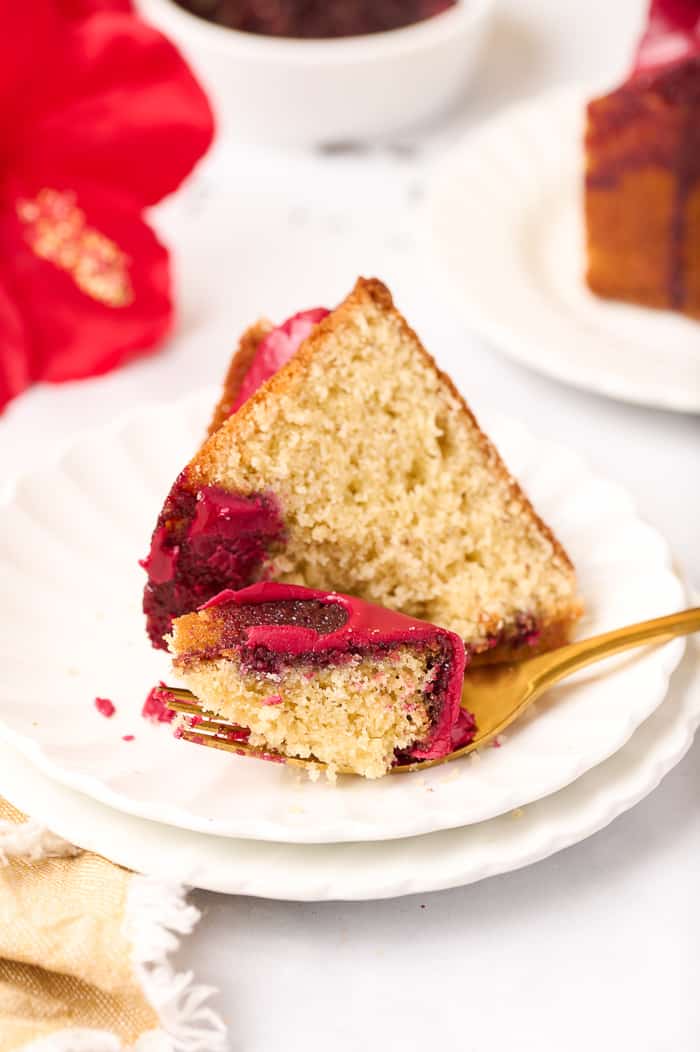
<point>105,707</point>
<point>127,737</point>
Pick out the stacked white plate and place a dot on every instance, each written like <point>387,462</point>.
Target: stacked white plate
<point>72,630</point>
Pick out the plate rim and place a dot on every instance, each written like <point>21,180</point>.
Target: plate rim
<point>504,338</point>
<point>556,832</point>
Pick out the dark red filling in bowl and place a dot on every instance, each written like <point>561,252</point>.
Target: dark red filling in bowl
<point>315,19</point>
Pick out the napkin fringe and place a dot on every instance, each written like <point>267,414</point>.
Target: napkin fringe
<point>157,913</point>
<point>32,841</point>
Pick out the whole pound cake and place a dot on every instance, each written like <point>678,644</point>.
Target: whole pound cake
<point>358,467</point>
<point>642,195</point>
<point>324,675</point>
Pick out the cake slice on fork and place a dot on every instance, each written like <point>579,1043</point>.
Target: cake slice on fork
<point>324,675</point>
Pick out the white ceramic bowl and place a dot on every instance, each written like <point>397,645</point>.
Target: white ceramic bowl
<point>303,92</point>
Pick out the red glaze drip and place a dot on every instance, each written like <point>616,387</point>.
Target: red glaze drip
<point>203,542</point>
<point>363,628</point>
<point>161,560</point>
<point>275,350</point>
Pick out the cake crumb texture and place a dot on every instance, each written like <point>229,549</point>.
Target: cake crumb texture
<point>351,715</point>
<point>388,488</point>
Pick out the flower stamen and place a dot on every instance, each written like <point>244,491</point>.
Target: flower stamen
<point>57,230</point>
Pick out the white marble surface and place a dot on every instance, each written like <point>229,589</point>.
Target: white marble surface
<point>598,947</point>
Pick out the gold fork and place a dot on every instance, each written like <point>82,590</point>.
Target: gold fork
<point>495,694</point>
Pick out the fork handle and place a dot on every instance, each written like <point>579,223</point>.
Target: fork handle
<point>585,652</point>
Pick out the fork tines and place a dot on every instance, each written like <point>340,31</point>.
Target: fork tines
<point>201,727</point>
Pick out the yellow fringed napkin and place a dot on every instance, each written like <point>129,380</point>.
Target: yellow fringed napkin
<point>84,953</point>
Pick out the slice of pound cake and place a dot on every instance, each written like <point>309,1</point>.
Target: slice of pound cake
<point>324,675</point>
<point>358,467</point>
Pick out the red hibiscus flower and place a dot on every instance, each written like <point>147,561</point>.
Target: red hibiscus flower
<point>99,118</point>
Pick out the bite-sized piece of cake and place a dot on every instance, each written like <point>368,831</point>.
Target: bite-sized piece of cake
<point>358,467</point>
<point>324,675</point>
<point>642,189</point>
<point>263,349</point>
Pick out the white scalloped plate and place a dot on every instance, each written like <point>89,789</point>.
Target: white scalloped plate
<point>71,629</point>
<point>321,872</point>
<point>507,228</point>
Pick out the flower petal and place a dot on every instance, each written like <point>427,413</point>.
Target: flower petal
<point>121,107</point>
<point>15,367</point>
<point>89,277</point>
<point>26,43</point>
<point>80,8</point>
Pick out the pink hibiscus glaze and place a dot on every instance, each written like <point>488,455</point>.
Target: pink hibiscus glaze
<point>274,699</point>
<point>275,350</point>
<point>324,624</point>
<point>204,540</point>
<point>463,730</point>
<point>672,36</point>
<point>105,707</point>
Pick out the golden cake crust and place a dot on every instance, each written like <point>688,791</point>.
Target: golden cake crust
<point>239,366</point>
